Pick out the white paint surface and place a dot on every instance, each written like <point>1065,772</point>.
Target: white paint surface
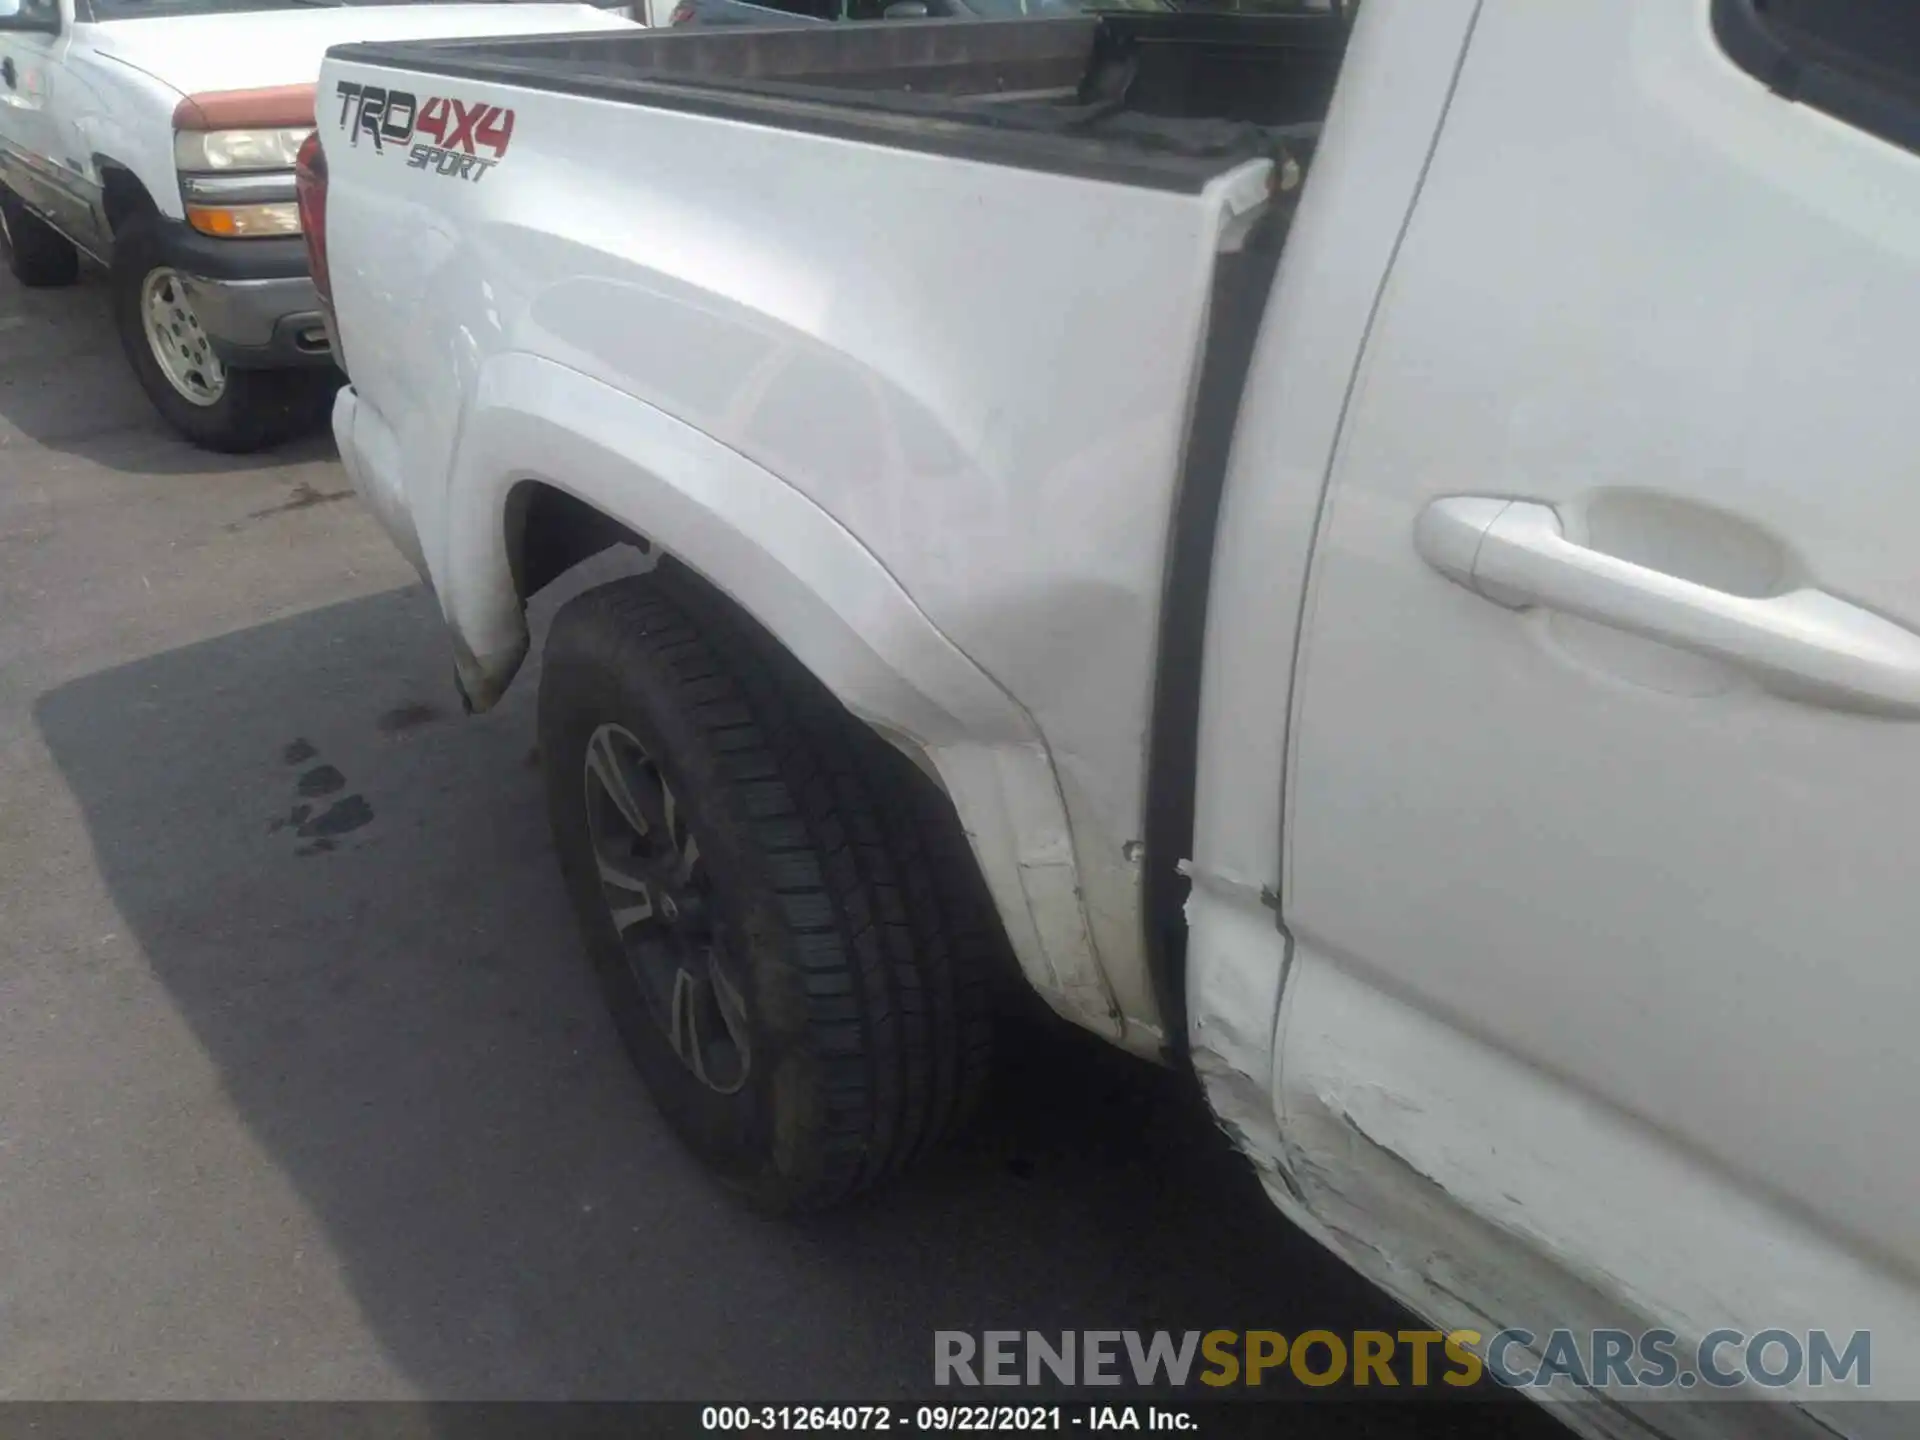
<point>916,354</point>
<point>1602,997</point>
<point>1594,996</point>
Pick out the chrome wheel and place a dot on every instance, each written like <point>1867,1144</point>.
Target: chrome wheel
<point>179,345</point>
<point>654,884</point>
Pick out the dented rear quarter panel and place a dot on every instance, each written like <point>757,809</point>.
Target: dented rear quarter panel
<point>981,374</point>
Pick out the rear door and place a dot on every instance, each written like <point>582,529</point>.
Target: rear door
<point>33,42</point>
<point>1604,800</point>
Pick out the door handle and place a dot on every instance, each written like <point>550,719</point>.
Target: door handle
<point>7,72</point>
<point>1806,644</point>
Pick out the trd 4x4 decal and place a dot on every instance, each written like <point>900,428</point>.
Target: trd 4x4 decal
<point>468,139</point>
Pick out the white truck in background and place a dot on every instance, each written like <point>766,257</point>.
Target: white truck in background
<point>158,137</point>
<point>1443,660</point>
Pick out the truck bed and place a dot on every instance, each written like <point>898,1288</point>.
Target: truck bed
<point>1167,101</point>
<point>923,341</point>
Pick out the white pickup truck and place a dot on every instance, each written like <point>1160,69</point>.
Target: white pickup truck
<point>1378,549</point>
<point>158,137</point>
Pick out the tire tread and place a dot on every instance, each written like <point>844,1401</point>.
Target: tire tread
<point>891,928</point>
<point>39,256</point>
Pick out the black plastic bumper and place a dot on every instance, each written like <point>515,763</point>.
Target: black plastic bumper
<point>187,250</point>
<point>296,342</point>
<point>254,297</point>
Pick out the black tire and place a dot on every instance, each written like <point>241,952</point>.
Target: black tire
<point>256,408</point>
<point>836,877</point>
<point>38,255</point>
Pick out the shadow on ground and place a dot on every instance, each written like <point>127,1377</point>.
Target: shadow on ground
<point>346,890</point>
<point>65,384</point>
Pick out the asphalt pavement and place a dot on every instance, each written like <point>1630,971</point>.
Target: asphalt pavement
<point>304,1089</point>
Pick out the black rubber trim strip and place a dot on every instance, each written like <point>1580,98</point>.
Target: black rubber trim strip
<point>1241,283</point>
<point>278,258</point>
<point>1752,44</point>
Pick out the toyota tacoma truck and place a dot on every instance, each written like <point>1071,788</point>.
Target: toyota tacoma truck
<point>1368,557</point>
<point>158,138</point>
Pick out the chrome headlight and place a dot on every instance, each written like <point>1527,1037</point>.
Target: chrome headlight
<point>238,184</point>
<point>230,150</point>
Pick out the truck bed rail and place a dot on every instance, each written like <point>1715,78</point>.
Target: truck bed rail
<point>1166,101</point>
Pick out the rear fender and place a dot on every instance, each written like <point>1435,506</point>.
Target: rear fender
<point>803,576</point>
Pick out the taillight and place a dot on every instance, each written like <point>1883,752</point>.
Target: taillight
<point>310,188</point>
<point>682,13</point>
<point>310,192</point>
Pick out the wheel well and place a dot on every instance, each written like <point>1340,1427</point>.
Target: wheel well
<point>548,532</point>
<point>122,196</point>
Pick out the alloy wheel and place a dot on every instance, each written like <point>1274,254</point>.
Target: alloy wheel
<point>179,343</point>
<point>654,882</point>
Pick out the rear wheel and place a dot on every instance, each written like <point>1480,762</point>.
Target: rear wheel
<point>37,254</point>
<point>794,957</point>
<point>217,408</point>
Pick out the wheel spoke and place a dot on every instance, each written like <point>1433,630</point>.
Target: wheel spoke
<point>689,857</point>
<point>611,874</point>
<point>627,916</point>
<point>686,848</point>
<point>732,1004</point>
<point>645,855</point>
<point>684,1032</point>
<point>612,775</point>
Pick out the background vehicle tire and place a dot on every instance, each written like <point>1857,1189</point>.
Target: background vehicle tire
<point>231,411</point>
<point>845,931</point>
<point>37,254</point>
